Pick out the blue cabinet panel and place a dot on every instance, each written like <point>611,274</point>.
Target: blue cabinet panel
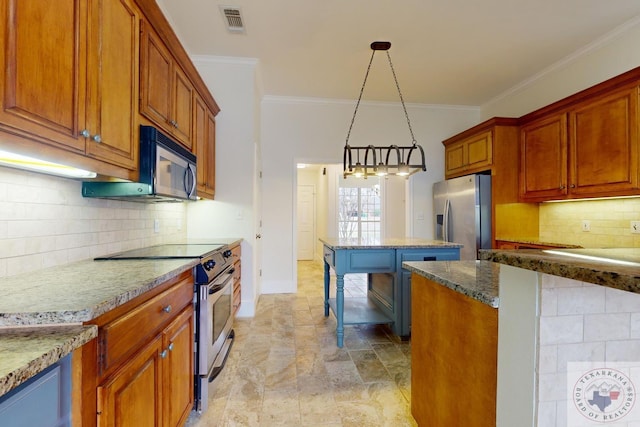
<point>44,400</point>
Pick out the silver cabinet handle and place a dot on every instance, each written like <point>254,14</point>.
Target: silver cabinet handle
<point>97,138</point>
<point>573,186</point>
<point>170,347</point>
<point>562,187</point>
<point>163,354</point>
<point>167,309</point>
<point>85,133</point>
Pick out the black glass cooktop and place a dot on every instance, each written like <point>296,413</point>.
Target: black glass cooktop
<point>169,251</point>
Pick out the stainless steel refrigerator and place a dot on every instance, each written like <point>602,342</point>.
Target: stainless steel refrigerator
<point>462,210</point>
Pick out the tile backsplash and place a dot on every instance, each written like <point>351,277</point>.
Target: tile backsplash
<point>609,222</point>
<point>45,221</point>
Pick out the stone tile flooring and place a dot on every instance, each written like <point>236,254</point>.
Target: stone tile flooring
<point>285,369</point>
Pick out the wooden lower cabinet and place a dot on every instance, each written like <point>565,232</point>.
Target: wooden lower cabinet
<point>454,356</point>
<point>178,372</point>
<point>133,395</point>
<point>237,285</point>
<point>143,379</point>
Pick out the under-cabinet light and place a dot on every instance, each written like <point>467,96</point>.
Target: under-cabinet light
<point>19,161</point>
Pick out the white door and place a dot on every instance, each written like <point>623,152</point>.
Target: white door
<point>306,221</point>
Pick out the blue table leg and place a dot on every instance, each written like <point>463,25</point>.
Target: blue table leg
<point>326,289</point>
<point>340,308</point>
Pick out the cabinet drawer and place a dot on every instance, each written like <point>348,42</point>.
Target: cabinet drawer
<point>329,256</point>
<point>236,251</point>
<point>371,261</point>
<point>430,255</point>
<point>125,334</point>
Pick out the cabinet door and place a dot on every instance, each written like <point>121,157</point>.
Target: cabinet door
<point>178,369</point>
<point>132,396</point>
<point>156,76</point>
<point>182,104</point>
<point>473,154</point>
<point>204,137</point>
<point>42,92</point>
<point>543,158</point>
<point>113,83</point>
<point>604,144</point>
<point>454,159</point>
<point>479,151</point>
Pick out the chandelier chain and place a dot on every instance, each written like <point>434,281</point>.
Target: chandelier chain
<point>393,71</point>
<point>353,119</point>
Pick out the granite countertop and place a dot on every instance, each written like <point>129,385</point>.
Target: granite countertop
<point>476,279</point>
<point>395,243</point>
<point>81,291</point>
<point>615,267</point>
<point>28,351</point>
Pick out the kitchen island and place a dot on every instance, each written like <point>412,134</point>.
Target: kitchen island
<point>388,298</point>
<point>559,316</point>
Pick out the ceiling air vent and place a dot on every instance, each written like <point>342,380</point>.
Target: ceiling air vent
<point>233,19</point>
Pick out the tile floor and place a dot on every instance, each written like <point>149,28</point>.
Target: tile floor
<point>285,369</point>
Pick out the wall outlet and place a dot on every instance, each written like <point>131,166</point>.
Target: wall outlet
<point>586,225</point>
<point>635,227</point>
<point>156,225</point>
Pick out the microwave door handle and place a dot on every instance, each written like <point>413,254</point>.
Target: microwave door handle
<point>189,171</point>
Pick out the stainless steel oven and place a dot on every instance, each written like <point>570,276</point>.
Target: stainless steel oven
<point>215,331</point>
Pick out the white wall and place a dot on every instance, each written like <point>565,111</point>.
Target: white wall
<point>314,131</point>
<point>232,81</point>
<point>606,57</point>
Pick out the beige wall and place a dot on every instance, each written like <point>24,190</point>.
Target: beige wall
<point>45,222</point>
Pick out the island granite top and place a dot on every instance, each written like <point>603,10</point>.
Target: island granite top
<point>613,267</point>
<point>391,243</point>
<point>476,279</point>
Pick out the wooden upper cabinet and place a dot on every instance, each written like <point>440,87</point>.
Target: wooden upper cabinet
<point>543,158</point>
<point>182,97</point>
<point>604,144</point>
<point>71,72</point>
<point>166,92</point>
<point>470,155</point>
<point>588,149</point>
<point>113,83</point>
<point>43,56</point>
<point>204,137</point>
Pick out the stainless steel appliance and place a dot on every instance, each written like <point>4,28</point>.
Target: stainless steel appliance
<point>167,173</point>
<point>213,294</point>
<point>462,213</point>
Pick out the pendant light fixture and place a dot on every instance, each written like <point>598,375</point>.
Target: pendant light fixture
<point>373,160</point>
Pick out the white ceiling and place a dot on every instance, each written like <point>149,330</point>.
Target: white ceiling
<point>455,52</point>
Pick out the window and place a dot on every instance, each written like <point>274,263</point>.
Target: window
<point>359,210</point>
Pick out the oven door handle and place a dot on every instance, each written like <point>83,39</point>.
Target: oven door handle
<point>214,289</point>
<point>217,287</point>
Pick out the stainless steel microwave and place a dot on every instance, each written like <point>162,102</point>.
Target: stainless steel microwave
<point>167,173</point>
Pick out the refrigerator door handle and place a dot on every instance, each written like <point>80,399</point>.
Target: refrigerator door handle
<point>445,223</point>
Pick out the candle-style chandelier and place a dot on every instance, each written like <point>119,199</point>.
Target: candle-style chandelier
<point>373,160</point>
